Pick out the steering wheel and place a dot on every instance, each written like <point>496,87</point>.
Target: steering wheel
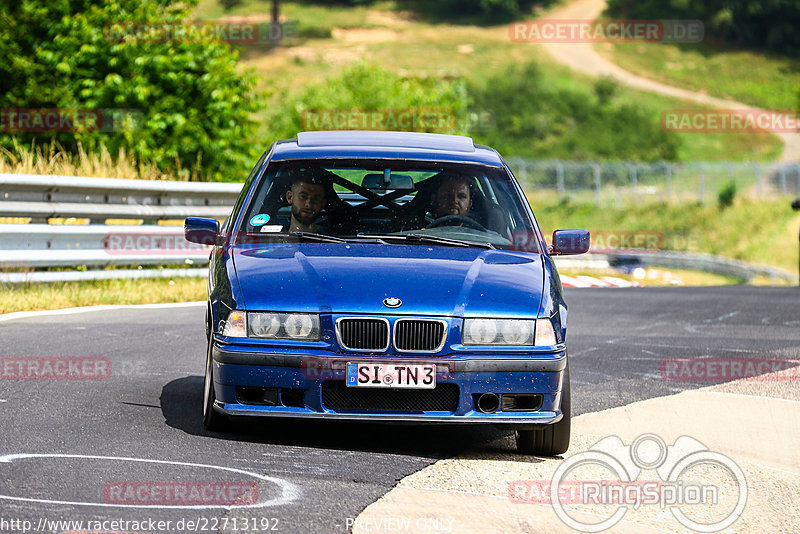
<point>457,220</point>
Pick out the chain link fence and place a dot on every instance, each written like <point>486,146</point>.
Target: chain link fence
<point>618,183</point>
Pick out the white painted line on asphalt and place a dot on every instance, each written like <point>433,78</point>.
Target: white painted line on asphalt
<point>3,400</point>
<point>727,316</point>
<point>632,341</point>
<point>83,309</point>
<point>753,396</point>
<point>289,491</point>
<point>777,469</point>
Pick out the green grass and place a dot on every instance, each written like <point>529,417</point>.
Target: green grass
<point>761,233</point>
<point>56,295</point>
<point>414,47</point>
<point>758,78</point>
<point>734,147</point>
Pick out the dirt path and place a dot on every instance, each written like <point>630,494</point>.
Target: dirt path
<point>583,58</point>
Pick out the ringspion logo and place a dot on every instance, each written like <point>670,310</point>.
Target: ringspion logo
<point>688,481</point>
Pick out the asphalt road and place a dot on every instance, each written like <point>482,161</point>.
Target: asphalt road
<point>83,438</point>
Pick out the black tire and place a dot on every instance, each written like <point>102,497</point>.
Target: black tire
<point>212,420</point>
<point>551,440</point>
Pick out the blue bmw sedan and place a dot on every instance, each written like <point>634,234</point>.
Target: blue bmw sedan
<point>387,276</point>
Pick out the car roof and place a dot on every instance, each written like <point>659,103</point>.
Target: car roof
<point>382,144</point>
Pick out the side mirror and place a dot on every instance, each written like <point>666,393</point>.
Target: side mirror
<point>201,230</point>
<point>570,242</point>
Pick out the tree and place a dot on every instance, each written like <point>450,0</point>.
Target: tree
<point>187,100</point>
<point>770,24</point>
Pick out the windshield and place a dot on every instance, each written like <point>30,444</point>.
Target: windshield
<point>390,201</point>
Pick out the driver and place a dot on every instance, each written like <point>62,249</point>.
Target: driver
<point>307,199</point>
<point>452,197</point>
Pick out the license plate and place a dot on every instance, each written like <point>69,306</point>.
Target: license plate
<point>391,375</point>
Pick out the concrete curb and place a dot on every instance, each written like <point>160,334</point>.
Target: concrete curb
<point>746,420</point>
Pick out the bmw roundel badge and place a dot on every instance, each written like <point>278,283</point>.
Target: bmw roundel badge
<point>392,302</point>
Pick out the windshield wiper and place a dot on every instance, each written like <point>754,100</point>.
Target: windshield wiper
<point>311,236</point>
<point>430,239</point>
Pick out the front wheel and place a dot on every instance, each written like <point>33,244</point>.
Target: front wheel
<point>212,420</point>
<point>553,439</point>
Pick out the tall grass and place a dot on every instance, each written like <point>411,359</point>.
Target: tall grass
<point>761,233</point>
<point>55,295</point>
<point>54,159</point>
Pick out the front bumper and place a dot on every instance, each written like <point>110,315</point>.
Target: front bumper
<point>308,377</point>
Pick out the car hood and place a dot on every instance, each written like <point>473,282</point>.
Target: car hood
<point>356,278</point>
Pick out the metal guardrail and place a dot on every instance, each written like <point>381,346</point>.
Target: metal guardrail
<point>43,196</point>
<point>677,260</point>
<point>38,245</point>
<point>76,276</point>
<point>69,245</point>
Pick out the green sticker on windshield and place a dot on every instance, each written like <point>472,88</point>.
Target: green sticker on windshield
<point>260,219</point>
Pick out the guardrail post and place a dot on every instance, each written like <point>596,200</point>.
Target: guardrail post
<point>797,174</point>
<point>597,185</point>
<point>783,179</point>
<point>634,179</point>
<point>731,176</point>
<point>796,207</point>
<point>668,177</point>
<point>560,180</point>
<point>759,179</point>
<point>701,193</point>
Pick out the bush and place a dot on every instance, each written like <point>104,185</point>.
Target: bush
<point>605,88</point>
<point>363,88</point>
<point>534,119</point>
<point>726,194</point>
<point>770,24</point>
<point>480,12</point>
<point>227,5</point>
<point>192,107</point>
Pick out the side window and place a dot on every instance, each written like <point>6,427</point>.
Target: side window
<point>245,188</point>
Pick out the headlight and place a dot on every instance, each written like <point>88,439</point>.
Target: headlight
<point>301,326</point>
<point>508,332</point>
<point>514,332</point>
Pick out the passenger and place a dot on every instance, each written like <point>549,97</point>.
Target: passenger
<point>307,199</point>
